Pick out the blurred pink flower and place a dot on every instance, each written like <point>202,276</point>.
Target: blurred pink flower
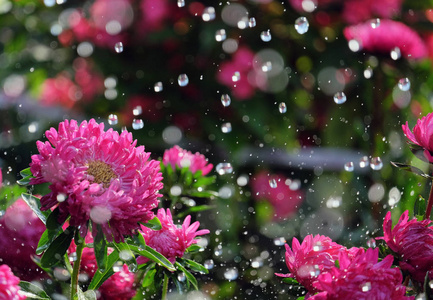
<point>102,174</point>
<point>386,37</point>
<point>412,241</point>
<point>316,255</point>
<point>361,277</point>
<point>153,14</point>
<point>356,11</point>
<point>248,78</point>
<point>9,289</point>
<point>283,199</point>
<point>171,241</point>
<point>422,135</point>
<point>59,91</point>
<point>179,157</point>
<point>90,82</point>
<point>20,231</point>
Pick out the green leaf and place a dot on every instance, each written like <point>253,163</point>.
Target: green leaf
<point>419,207</point>
<point>291,281</point>
<point>203,181</point>
<point>58,248</point>
<point>27,175</point>
<point>100,248</point>
<point>32,291</point>
<point>154,224</point>
<point>26,172</point>
<point>125,253</point>
<point>35,204</point>
<point>195,266</point>
<point>46,239</point>
<point>139,240</point>
<point>88,295</point>
<point>188,275</point>
<point>193,248</point>
<point>195,209</point>
<point>102,275</point>
<point>204,194</point>
<point>154,255</point>
<point>148,278</point>
<point>52,223</point>
<point>9,194</point>
<point>411,169</point>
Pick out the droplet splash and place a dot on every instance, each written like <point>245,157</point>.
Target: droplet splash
<point>226,100</point>
<point>183,80</point>
<point>301,25</point>
<point>118,47</point>
<point>220,35</point>
<point>137,124</point>
<point>349,166</point>
<point>282,107</point>
<point>224,168</point>
<point>376,163</point>
<point>404,84</point>
<point>340,97</point>
<point>266,36</point>
<point>226,127</point>
<point>113,119</point>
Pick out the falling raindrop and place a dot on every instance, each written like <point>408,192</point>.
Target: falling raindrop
<point>266,35</point>
<point>117,267</point>
<point>231,274</point>
<point>183,80</point>
<point>209,264</point>
<point>272,183</point>
<point>267,66</point>
<point>181,277</point>
<point>363,162</point>
<point>282,107</point>
<point>236,76</point>
<point>136,111</point>
<point>354,45</point>
<point>404,84</point>
<point>301,25</point>
<point>371,243</point>
<point>112,119</point>
<point>158,87</point>
<point>224,168</point>
<point>180,3</point>
<point>220,35</point>
<point>368,72</point>
<point>349,166</point>
<point>340,97</point>
<point>118,47</point>
<point>279,241</point>
<point>208,14</point>
<point>376,163</point>
<point>375,23</point>
<point>257,262</point>
<point>395,53</point>
<point>225,100</point>
<point>252,22</point>
<point>226,127</point>
<point>137,124</point>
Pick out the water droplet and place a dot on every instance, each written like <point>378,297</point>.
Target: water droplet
<point>430,283</point>
<point>117,267</point>
<point>220,35</point>
<point>363,162</point>
<point>375,23</point>
<point>371,243</point>
<point>252,22</point>
<point>118,47</point>
<point>225,100</point>
<point>404,84</point>
<point>340,97</point>
<point>243,23</point>
<point>301,25</point>
<point>218,251</point>
<point>209,264</point>
<point>376,163</point>
<point>266,36</point>
<point>112,119</point>
<point>318,247</point>
<point>272,183</point>
<point>366,287</point>
<point>208,14</point>
<point>267,66</point>
<point>183,80</point>
<point>395,53</point>
<point>158,87</point>
<point>354,45</point>
<point>231,274</point>
<point>368,72</point>
<point>180,3</point>
<point>349,166</point>
<point>236,76</point>
<point>257,262</point>
<point>279,241</point>
<point>181,277</point>
<point>224,168</point>
<point>176,190</point>
<point>282,107</point>
<point>136,111</point>
<point>137,124</point>
<point>226,127</point>
<point>132,268</point>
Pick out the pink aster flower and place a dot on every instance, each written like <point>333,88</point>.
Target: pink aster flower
<point>361,277</point>
<point>97,175</point>
<point>171,241</point>
<point>384,38</point>
<point>283,199</point>
<point>20,231</point>
<point>422,135</point>
<point>412,241</point>
<point>179,157</point>
<point>9,288</point>
<point>316,255</point>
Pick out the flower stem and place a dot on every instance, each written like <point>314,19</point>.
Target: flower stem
<point>76,270</point>
<point>429,204</point>
<point>164,288</point>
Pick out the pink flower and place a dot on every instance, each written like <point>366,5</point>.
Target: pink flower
<point>361,277</point>
<point>356,11</point>
<point>283,199</point>
<point>179,157</point>
<point>386,37</point>
<point>422,135</point>
<point>171,241</point>
<point>97,175</point>
<point>316,255</point>
<point>154,14</point>
<point>9,289</point>
<point>20,231</point>
<point>412,241</point>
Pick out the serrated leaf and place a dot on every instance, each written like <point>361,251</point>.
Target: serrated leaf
<point>188,275</point>
<point>32,291</point>
<point>100,247</point>
<point>411,169</point>
<point>148,278</point>
<point>102,275</point>
<point>195,266</point>
<point>154,256</point>
<point>57,248</point>
<point>154,224</point>
<point>34,203</point>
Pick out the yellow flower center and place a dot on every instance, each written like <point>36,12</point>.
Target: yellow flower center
<point>101,172</point>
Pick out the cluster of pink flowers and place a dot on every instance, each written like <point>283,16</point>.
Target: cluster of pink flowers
<point>9,288</point>
<point>284,200</point>
<point>97,175</point>
<point>178,157</point>
<point>172,240</point>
